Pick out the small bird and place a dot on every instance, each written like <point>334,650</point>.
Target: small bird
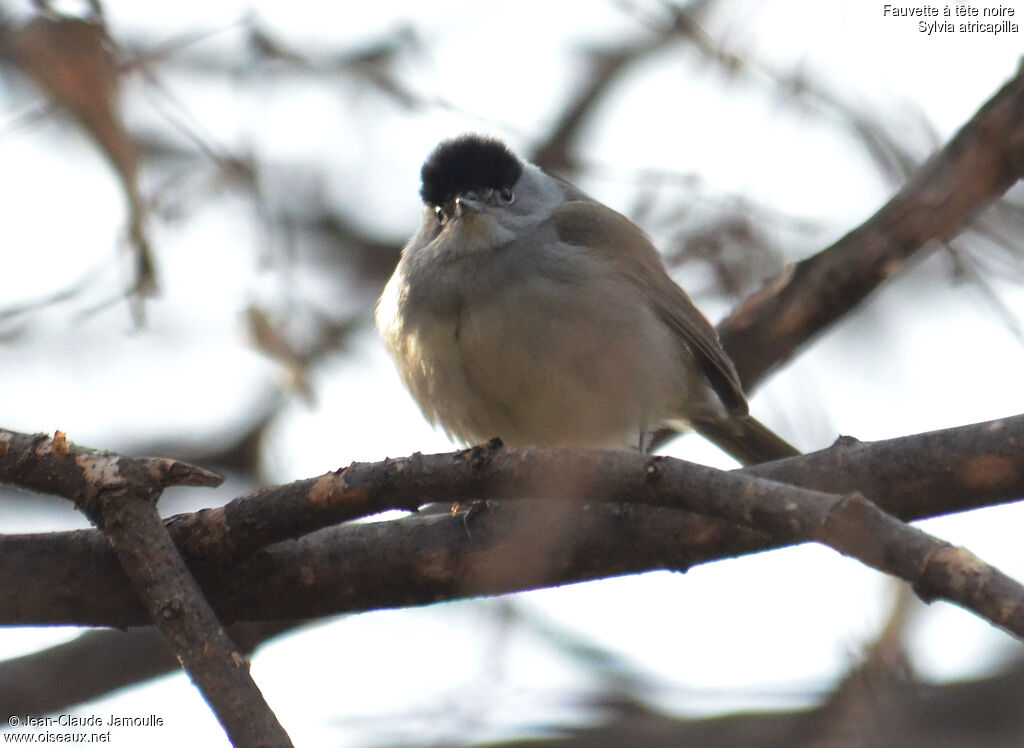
<point>525,310</point>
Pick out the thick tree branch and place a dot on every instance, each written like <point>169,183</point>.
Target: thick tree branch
<point>851,524</point>
<point>978,165</point>
<point>937,472</point>
<point>511,546</point>
<point>119,496</point>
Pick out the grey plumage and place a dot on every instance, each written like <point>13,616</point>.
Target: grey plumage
<point>529,312</point>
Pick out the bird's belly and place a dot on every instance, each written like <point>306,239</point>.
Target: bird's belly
<point>542,366</point>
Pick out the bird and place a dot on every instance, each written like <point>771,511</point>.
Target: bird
<point>525,310</point>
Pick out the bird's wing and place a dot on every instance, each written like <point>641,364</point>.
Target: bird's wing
<point>613,236</point>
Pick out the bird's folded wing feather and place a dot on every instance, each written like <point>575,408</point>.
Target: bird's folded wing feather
<point>612,235</point>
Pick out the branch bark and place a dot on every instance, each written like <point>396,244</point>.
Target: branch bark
<point>983,160</point>
<point>510,546</point>
<point>119,496</point>
<point>916,476</point>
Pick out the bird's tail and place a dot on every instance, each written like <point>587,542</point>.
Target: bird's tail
<point>746,439</point>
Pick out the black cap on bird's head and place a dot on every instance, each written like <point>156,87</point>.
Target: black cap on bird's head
<point>470,163</point>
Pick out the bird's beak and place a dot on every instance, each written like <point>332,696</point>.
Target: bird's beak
<point>465,205</point>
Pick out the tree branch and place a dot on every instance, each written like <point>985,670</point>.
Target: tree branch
<point>102,661</point>
<point>119,496</point>
<point>509,547</point>
<point>937,472</point>
<point>978,165</point>
<point>850,524</point>
<point>983,712</point>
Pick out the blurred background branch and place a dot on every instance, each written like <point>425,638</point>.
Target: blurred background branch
<point>208,204</point>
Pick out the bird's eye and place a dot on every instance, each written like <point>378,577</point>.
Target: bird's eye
<point>439,213</point>
<point>506,196</point>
